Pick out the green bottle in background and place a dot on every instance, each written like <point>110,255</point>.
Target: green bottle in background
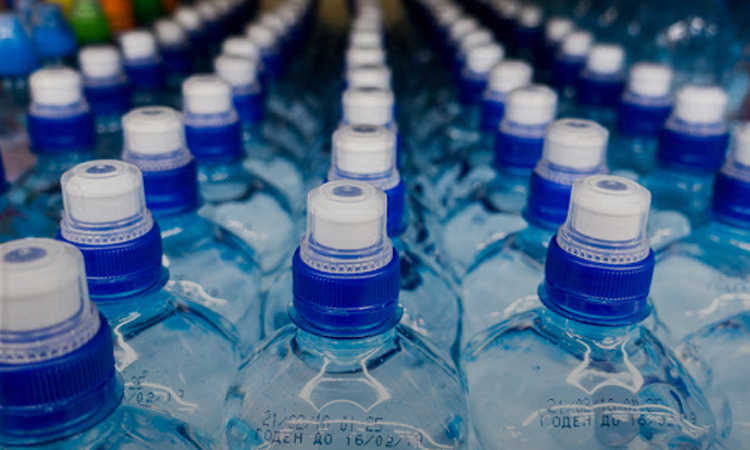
<point>90,23</point>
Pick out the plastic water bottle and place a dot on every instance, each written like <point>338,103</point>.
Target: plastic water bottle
<point>269,160</point>
<point>54,39</point>
<point>601,84</point>
<point>19,61</point>
<point>491,205</point>
<point>210,265</point>
<point>17,221</point>
<point>644,108</point>
<point>346,364</point>
<point>90,23</point>
<point>581,372</point>
<point>528,34</point>
<point>144,68</point>
<point>502,275</point>
<point>692,146</point>
<point>701,280</point>
<point>367,153</point>
<point>556,28</point>
<point>211,18</point>
<point>258,213</point>
<point>108,93</point>
<point>478,36</point>
<point>167,348</point>
<point>175,51</point>
<point>570,61</point>
<point>190,20</point>
<point>60,388</point>
<point>62,132</point>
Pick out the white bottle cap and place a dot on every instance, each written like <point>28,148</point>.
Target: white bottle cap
<point>43,285</point>
<point>58,86</point>
<point>138,44</point>
<point>188,18</point>
<point>577,43</point>
<point>701,104</point>
<point>365,56</point>
<point>608,208</point>
<point>224,6</point>
<point>346,215</point>
<point>364,149</point>
<point>263,36</point>
<point>508,8</point>
<point>366,39</point>
<point>575,144</point>
<point>509,74</point>
<point>530,16</point>
<point>208,11</point>
<point>169,33</point>
<point>650,79</point>
<point>741,144</point>
<point>236,71</point>
<point>240,46</point>
<point>100,61</point>
<point>473,39</point>
<point>557,28</point>
<point>274,22</point>
<point>206,94</point>
<point>103,192</point>
<point>447,14</point>
<point>482,58</point>
<point>368,106</point>
<point>606,58</point>
<point>153,130</point>
<point>462,27</point>
<point>377,76</point>
<point>534,104</point>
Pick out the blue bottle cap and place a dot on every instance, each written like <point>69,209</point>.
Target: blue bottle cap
<point>647,101</point>
<point>244,77</point>
<point>599,264</point>
<point>53,37</point>
<point>17,50</point>
<point>476,71</point>
<point>56,354</point>
<point>105,216</point>
<point>731,197</point>
<point>602,80</point>
<point>346,272</point>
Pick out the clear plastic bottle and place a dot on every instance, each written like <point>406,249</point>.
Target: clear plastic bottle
<point>644,108</point>
<point>601,84</point>
<point>54,39</point>
<point>60,388</point>
<point>108,93</point>
<point>528,34</point>
<point>581,372</point>
<point>143,65</point>
<point>492,210</point>
<point>367,153</point>
<point>207,264</point>
<point>346,373</point>
<point>190,20</point>
<point>17,221</point>
<point>62,132</point>
<point>556,28</point>
<point>704,279</point>
<point>569,62</point>
<point>691,149</point>
<point>254,210</point>
<point>174,355</point>
<point>176,55</point>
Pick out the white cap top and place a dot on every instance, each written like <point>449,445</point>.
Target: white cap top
<point>208,11</point>
<point>557,28</point>
<point>188,18</point>
<point>462,27</point>
<point>377,76</point>
<point>366,39</point>
<point>368,106</point>
<point>577,43</point>
<point>103,192</point>
<point>508,8</point>
<point>701,104</point>
<point>138,44</point>
<point>240,46</point>
<point>58,86</point>
<point>530,16</point>
<point>224,6</point>
<point>534,104</point>
<point>170,33</point>
<point>650,79</point>
<point>741,144</point>
<point>608,208</point>
<point>481,59</point>
<point>236,71</point>
<point>509,74</point>
<point>346,215</point>
<point>364,149</point>
<point>263,36</point>
<point>365,56</point>
<point>474,38</point>
<point>153,130</point>
<point>206,94</point>
<point>606,58</point>
<point>274,22</point>
<point>100,61</point>
<point>575,144</point>
<point>447,14</point>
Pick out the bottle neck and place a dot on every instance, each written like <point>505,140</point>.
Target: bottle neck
<point>214,138</point>
<point>604,338</point>
<point>533,241</point>
<point>172,192</point>
<point>345,355</point>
